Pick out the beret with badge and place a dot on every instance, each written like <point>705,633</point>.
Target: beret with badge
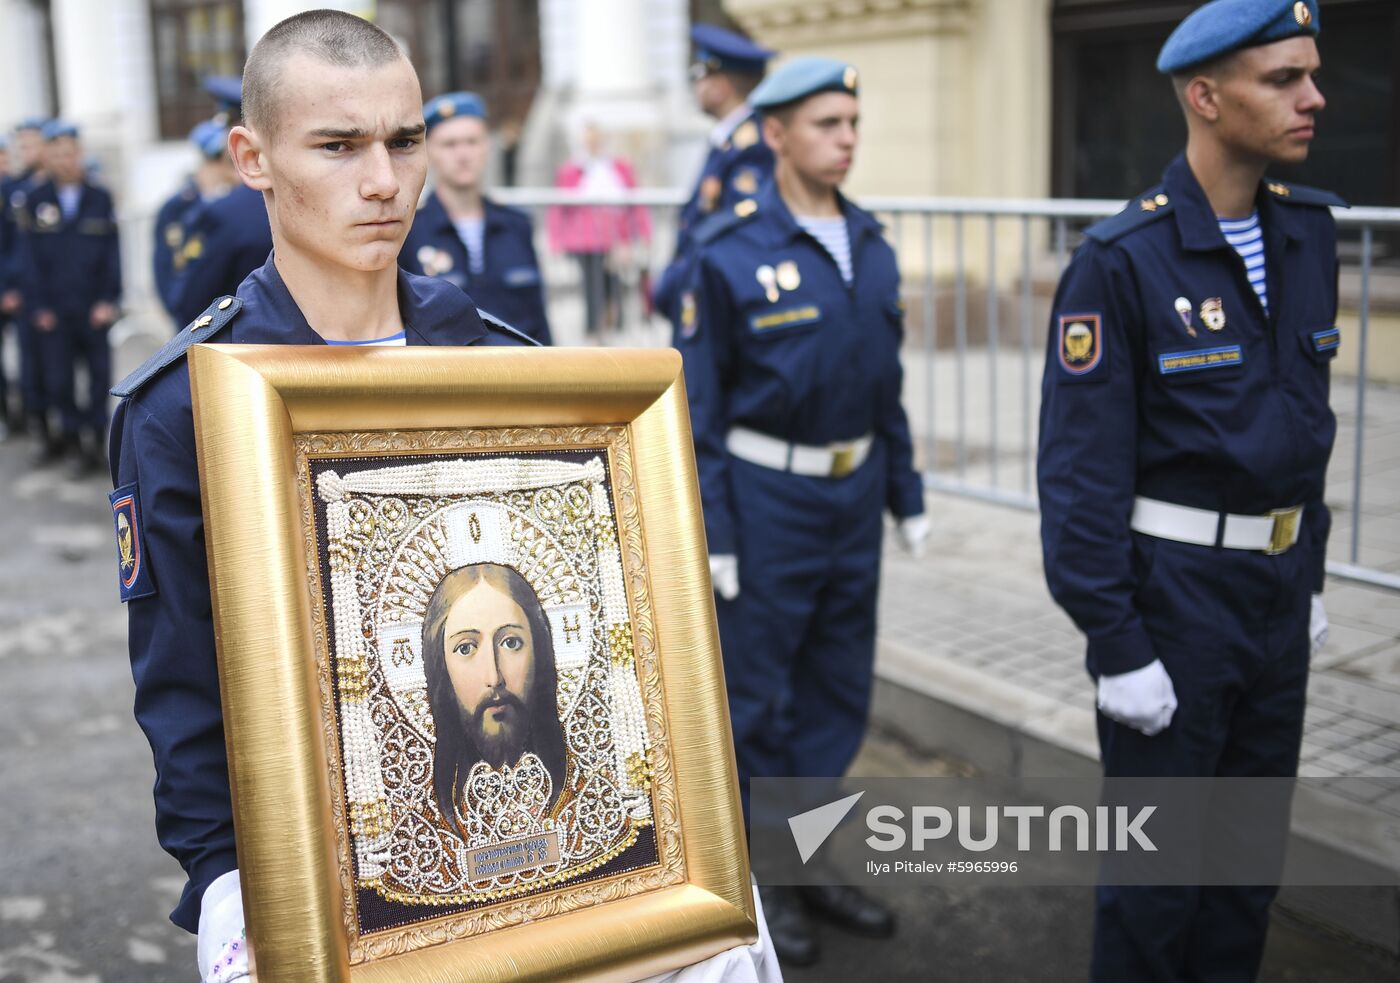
<point>450,105</point>
<point>803,77</point>
<point>1225,26</point>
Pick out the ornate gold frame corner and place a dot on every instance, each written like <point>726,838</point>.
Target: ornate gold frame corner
<point>259,412</point>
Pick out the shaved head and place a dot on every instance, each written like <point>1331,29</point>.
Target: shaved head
<point>329,36</point>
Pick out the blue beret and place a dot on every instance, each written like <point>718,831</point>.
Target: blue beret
<point>804,77</point>
<point>227,90</point>
<point>32,123</point>
<point>209,138</point>
<point>451,105</point>
<point>725,51</point>
<point>1223,26</point>
<point>56,128</point>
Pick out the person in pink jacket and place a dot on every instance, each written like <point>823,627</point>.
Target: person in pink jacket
<point>598,236</point>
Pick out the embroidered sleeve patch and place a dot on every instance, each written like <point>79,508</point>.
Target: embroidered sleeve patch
<point>133,566</point>
<point>1326,340</point>
<point>791,318</point>
<point>1081,343</point>
<point>1173,363</point>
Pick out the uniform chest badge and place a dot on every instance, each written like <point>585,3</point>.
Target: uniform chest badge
<point>47,215</point>
<point>435,262</point>
<point>745,182</point>
<point>1213,314</point>
<point>690,318</point>
<point>767,278</point>
<point>746,135</point>
<point>709,193</point>
<point>174,235</point>
<point>1183,311</point>
<point>133,572</point>
<point>788,276</point>
<point>1081,343</point>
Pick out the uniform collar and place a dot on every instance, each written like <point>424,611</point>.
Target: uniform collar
<point>1196,220</point>
<point>433,313</point>
<point>859,222</point>
<point>725,128</point>
<point>434,214</point>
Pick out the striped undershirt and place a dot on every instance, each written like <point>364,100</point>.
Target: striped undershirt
<point>832,234</point>
<point>394,340</point>
<point>1247,238</point>
<point>472,232</point>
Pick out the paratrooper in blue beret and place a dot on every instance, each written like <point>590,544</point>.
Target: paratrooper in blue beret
<point>69,273</point>
<point>790,329</point>
<point>463,237</point>
<point>1184,439</point>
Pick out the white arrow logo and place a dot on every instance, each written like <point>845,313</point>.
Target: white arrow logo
<point>810,829</point>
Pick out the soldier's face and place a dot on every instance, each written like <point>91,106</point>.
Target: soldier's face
<point>63,160</point>
<point>458,150</point>
<point>1268,100</point>
<point>819,139</point>
<point>346,165</point>
<point>490,656</point>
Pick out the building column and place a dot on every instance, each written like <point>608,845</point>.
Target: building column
<point>102,60</point>
<point>24,63</point>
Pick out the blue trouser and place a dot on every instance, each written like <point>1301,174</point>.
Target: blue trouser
<point>1231,627</point>
<point>91,347</point>
<point>31,388</point>
<point>75,340</point>
<point>799,640</point>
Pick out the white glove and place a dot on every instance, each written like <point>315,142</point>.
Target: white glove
<point>1143,699</point>
<point>1318,628</point>
<point>724,574</point>
<point>222,950</point>
<point>913,535</point>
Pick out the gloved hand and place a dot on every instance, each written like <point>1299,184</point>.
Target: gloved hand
<point>724,574</point>
<point>1143,699</point>
<point>913,535</point>
<point>222,950</point>
<point>1318,628</point>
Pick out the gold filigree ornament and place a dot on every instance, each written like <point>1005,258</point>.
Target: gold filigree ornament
<point>551,521</point>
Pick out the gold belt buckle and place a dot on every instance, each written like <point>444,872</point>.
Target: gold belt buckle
<point>1285,532</point>
<point>843,461</point>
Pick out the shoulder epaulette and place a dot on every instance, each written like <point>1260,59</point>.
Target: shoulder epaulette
<point>215,317</point>
<point>1139,212</point>
<point>1299,194</point>
<point>719,223</point>
<point>501,326</point>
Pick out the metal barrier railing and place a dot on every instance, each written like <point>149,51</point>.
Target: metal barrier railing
<point>979,275</point>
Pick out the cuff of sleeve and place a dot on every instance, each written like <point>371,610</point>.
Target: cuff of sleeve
<point>906,497</point>
<point>201,874</point>
<point>1120,653</point>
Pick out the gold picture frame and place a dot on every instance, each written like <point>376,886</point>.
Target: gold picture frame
<point>282,435</point>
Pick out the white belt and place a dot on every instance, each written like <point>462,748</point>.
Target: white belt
<point>1273,533</point>
<point>832,461</point>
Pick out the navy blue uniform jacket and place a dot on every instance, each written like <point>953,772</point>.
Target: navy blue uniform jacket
<point>171,634</point>
<point>814,364</point>
<point>732,171</point>
<point>1230,419</point>
<point>510,287</point>
<point>66,265</point>
<point>225,241</point>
